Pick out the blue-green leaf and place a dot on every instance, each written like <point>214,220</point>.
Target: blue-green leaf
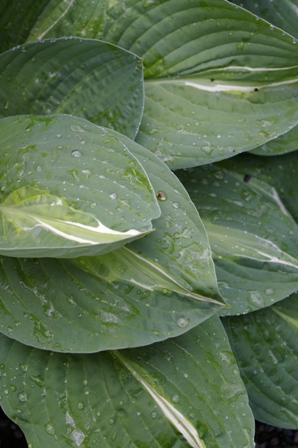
<point>164,395</point>
<point>265,346</point>
<point>69,188</point>
<point>147,292</point>
<point>88,78</point>
<point>218,80</point>
<point>37,19</point>
<point>252,235</point>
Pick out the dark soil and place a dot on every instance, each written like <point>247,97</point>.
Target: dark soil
<point>269,436</point>
<point>266,436</point>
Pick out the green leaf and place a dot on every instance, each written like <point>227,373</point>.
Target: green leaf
<point>69,188</point>
<point>186,124</point>
<point>158,396</point>
<point>84,77</point>
<point>70,18</point>
<point>179,246</point>
<point>280,172</point>
<point>281,145</point>
<point>252,235</point>
<point>16,20</point>
<point>36,19</point>
<point>145,293</point>
<point>265,346</point>
<point>281,13</point>
<point>56,305</point>
<point>218,80</point>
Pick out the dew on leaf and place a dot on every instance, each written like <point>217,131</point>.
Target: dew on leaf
<point>76,153</point>
<point>175,398</point>
<point>182,322</point>
<point>77,128</point>
<point>78,437</point>
<point>23,397</point>
<point>38,380</point>
<point>50,429</point>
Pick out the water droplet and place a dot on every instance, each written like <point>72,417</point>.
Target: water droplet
<point>113,196</point>
<point>161,195</point>
<point>269,291</point>
<point>80,405</point>
<point>175,205</point>
<point>12,387</point>
<point>77,128</point>
<point>2,366</point>
<point>76,153</point>
<point>93,204</point>
<point>50,429</point>
<point>182,322</point>
<point>77,436</point>
<point>218,136</point>
<point>153,414</point>
<point>111,421</point>
<point>175,399</point>
<point>38,379</point>
<point>23,397</point>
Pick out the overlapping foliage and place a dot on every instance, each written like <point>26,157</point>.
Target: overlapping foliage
<point>123,284</point>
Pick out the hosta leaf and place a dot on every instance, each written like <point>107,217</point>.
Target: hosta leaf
<point>252,236</point>
<point>16,20</point>
<point>282,145</point>
<point>70,18</point>
<point>179,246</point>
<point>69,188</point>
<point>145,293</point>
<point>83,77</point>
<point>265,346</point>
<point>219,80</point>
<point>176,256</point>
<point>186,124</point>
<point>56,305</point>
<point>36,19</point>
<point>279,172</point>
<point>281,13</point>
<point>162,395</point>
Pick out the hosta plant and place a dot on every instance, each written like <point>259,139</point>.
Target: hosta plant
<point>148,216</point>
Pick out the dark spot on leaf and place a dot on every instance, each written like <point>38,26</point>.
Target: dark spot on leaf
<point>212,79</point>
<point>256,89</point>
<point>247,178</point>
